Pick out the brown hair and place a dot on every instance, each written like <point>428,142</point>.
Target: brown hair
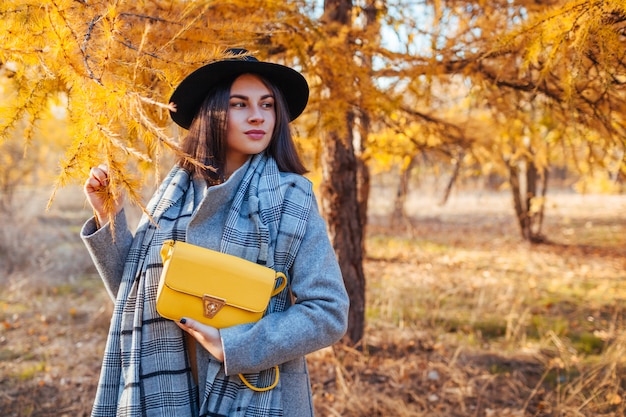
<point>206,140</point>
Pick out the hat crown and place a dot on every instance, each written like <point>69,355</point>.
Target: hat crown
<point>192,91</point>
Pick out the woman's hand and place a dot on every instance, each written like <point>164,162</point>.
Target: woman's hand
<point>207,336</point>
<point>95,189</point>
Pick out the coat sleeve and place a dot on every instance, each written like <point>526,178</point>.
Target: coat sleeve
<point>317,319</point>
<point>107,250</point>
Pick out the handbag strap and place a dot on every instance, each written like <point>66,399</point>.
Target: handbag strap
<point>282,285</point>
<point>261,389</point>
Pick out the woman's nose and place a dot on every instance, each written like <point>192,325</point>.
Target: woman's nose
<point>256,114</point>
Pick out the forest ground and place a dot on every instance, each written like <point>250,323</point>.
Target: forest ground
<point>463,317</point>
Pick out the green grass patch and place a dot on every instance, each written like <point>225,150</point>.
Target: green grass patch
<point>401,248</point>
<point>8,355</point>
<point>506,297</point>
<point>588,343</point>
<point>30,372</point>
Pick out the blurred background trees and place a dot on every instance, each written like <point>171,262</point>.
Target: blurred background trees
<point>510,91</point>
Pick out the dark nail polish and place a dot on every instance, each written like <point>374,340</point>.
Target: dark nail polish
<point>183,320</point>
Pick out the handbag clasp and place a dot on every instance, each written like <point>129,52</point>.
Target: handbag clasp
<point>212,305</point>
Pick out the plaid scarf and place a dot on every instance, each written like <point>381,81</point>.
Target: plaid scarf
<point>146,369</point>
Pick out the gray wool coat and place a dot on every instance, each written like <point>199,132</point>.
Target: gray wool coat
<point>317,319</point>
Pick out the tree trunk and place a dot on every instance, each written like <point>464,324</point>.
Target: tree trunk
<point>341,177</point>
<point>544,191</point>
<point>398,215</point>
<point>363,183</point>
<point>521,210</point>
<point>340,196</point>
<point>530,220</point>
<point>340,203</point>
<point>535,214</point>
<point>372,26</point>
<point>453,178</point>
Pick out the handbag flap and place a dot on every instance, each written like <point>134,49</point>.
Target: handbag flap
<point>199,271</point>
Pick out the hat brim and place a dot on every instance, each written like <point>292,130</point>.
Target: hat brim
<point>191,92</point>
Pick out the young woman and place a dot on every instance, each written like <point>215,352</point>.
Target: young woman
<point>253,203</point>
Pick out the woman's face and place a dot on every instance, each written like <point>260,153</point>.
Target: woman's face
<point>251,120</point>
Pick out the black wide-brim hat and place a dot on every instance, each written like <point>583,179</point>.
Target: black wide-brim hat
<point>192,91</point>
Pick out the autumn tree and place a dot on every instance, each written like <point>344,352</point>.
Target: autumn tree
<point>549,82</point>
<point>116,63</point>
<point>530,86</point>
<point>339,156</point>
<point>25,159</point>
<point>506,87</point>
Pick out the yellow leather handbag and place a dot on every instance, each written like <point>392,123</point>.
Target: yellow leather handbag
<point>213,288</point>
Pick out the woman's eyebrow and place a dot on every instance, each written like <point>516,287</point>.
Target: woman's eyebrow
<point>244,97</point>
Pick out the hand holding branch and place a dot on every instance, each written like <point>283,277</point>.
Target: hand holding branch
<point>96,189</point>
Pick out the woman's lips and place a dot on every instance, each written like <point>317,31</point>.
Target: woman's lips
<point>256,134</point>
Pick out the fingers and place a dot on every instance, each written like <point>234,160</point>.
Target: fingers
<point>207,336</point>
<point>96,190</point>
<point>192,327</point>
<point>98,178</point>
<point>95,184</point>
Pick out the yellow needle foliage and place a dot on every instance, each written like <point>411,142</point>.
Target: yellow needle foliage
<point>489,80</point>
<point>115,64</point>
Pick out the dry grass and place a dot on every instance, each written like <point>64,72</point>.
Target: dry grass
<point>463,318</point>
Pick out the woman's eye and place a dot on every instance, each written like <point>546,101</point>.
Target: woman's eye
<point>267,105</point>
<point>237,104</point>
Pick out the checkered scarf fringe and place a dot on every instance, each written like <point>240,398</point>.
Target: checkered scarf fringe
<point>146,370</point>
